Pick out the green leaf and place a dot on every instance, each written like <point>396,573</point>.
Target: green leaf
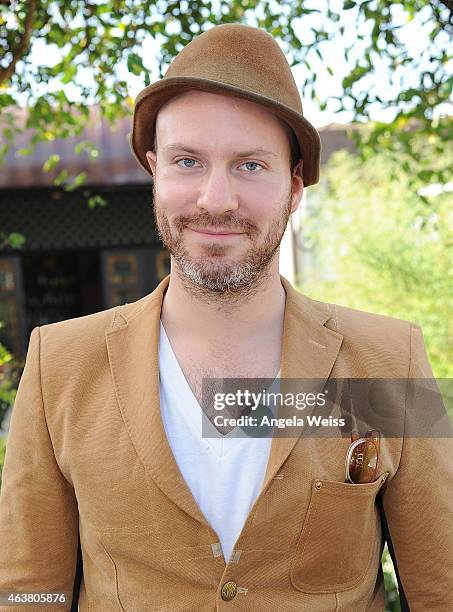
<point>51,162</point>
<point>8,134</point>
<point>3,151</point>
<point>25,151</point>
<point>6,100</point>
<point>61,178</point>
<point>76,182</point>
<point>135,64</point>
<point>88,147</point>
<point>16,240</point>
<point>96,200</point>
<point>68,74</point>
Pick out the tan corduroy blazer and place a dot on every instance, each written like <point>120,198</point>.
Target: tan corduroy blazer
<point>87,449</point>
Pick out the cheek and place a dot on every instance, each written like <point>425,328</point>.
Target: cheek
<point>264,199</point>
<point>264,203</point>
<point>173,196</point>
<point>263,190</point>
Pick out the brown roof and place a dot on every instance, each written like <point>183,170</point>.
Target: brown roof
<point>115,165</point>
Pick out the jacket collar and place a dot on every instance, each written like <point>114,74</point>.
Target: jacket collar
<point>309,350</point>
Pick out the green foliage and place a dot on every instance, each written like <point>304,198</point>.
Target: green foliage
<point>2,456</point>
<point>96,200</point>
<point>9,379</point>
<point>380,248</point>
<point>13,240</point>
<point>392,601</point>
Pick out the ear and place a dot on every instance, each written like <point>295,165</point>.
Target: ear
<point>151,157</point>
<point>297,186</point>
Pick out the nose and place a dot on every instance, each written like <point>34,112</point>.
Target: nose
<point>216,194</point>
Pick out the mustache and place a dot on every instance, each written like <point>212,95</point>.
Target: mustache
<point>224,222</point>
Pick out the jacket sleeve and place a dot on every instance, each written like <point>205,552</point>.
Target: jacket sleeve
<point>418,501</point>
<point>38,508</point>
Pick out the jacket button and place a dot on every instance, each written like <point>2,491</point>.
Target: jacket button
<point>229,590</point>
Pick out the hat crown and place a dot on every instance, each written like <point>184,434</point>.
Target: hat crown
<point>241,56</point>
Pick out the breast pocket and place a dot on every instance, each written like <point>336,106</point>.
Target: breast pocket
<point>336,545</point>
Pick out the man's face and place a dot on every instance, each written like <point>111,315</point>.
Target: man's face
<point>223,191</point>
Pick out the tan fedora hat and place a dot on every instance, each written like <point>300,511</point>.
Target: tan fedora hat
<point>231,59</point>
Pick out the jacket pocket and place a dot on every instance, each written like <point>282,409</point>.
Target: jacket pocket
<point>338,537</point>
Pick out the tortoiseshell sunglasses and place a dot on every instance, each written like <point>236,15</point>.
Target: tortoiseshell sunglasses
<point>362,458</point>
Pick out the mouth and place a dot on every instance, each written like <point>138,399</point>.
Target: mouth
<point>215,233</point>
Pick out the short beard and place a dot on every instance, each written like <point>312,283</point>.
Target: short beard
<point>222,282</point>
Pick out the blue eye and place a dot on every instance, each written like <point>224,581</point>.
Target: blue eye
<point>192,162</point>
<point>253,164</point>
<point>184,160</point>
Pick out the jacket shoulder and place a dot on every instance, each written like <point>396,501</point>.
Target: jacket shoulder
<point>93,326</point>
<point>73,346</point>
<point>90,326</point>
<point>73,352</point>
<point>367,323</point>
<point>373,344</point>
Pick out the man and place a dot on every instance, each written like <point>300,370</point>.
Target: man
<point>105,435</point>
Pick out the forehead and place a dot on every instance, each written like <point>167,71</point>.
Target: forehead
<point>195,109</point>
<point>216,101</point>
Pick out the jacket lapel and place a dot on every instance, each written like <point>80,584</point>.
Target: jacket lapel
<point>132,346</point>
<point>309,350</point>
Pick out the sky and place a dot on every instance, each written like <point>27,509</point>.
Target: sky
<point>412,33</point>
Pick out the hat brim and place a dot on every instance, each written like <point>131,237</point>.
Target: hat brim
<point>151,99</point>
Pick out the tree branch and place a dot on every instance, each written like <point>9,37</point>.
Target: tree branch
<point>6,73</point>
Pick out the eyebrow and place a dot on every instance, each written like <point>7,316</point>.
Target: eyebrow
<point>178,146</point>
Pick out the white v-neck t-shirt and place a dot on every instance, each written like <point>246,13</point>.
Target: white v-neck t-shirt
<point>225,474</point>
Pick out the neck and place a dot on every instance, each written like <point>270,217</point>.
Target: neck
<point>256,311</point>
